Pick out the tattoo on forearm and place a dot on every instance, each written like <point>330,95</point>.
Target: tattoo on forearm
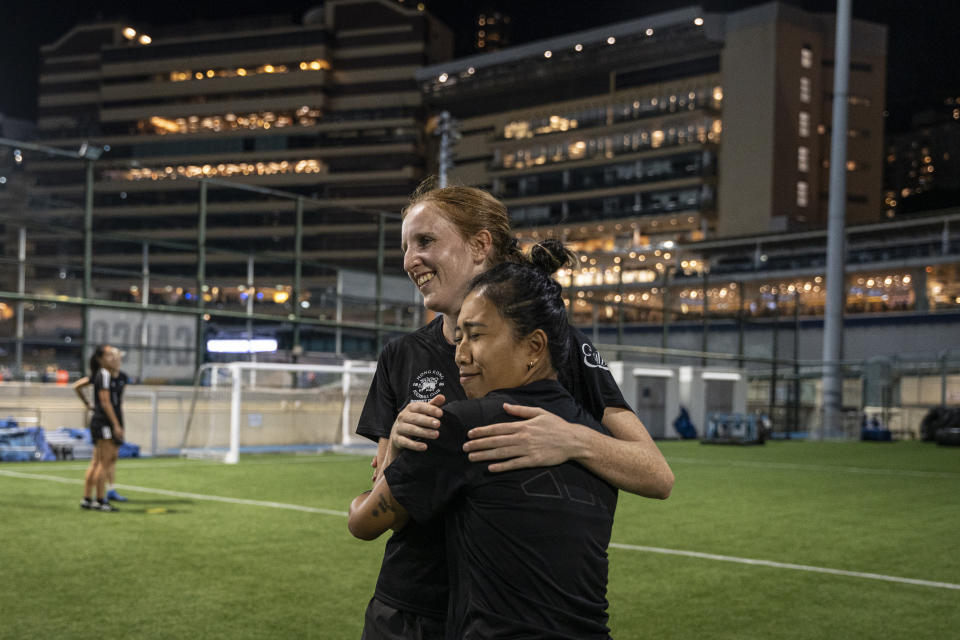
<point>383,505</point>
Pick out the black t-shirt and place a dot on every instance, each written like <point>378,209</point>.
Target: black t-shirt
<point>527,548</point>
<point>416,367</point>
<point>103,380</point>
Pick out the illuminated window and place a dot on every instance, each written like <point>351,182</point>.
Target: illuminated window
<point>226,170</point>
<point>804,89</point>
<point>803,159</point>
<point>803,127</point>
<point>233,72</point>
<point>806,58</point>
<point>305,116</point>
<point>803,193</point>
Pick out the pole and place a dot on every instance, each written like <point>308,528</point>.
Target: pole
<point>21,289</point>
<point>705,338</point>
<point>620,304</point>
<point>144,302</point>
<point>444,159</point>
<point>665,329</point>
<point>236,388</point>
<point>87,253</point>
<point>740,327</point>
<point>836,235</point>
<point>796,361</point>
<point>345,410</point>
<point>250,297</point>
<point>773,356</point>
<point>201,269</point>
<point>338,332</point>
<point>297,284</point>
<point>378,294</point>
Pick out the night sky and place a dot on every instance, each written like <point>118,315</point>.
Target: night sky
<point>922,59</point>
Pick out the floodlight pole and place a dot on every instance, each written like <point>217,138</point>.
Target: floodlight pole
<point>87,253</point>
<point>836,234</point>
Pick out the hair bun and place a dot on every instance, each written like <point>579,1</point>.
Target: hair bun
<point>551,255</point>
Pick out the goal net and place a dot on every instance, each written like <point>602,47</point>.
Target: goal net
<point>259,407</point>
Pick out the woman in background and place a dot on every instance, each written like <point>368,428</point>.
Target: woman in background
<point>106,423</point>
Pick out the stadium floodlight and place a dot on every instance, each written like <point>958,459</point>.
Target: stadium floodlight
<point>255,345</point>
<point>90,151</point>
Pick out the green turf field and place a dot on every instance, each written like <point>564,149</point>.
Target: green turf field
<point>277,561</point>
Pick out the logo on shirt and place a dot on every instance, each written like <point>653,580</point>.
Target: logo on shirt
<point>592,357</point>
<point>427,384</point>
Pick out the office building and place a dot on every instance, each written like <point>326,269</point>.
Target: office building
<point>702,124</point>
<point>324,106</point>
<point>922,165</point>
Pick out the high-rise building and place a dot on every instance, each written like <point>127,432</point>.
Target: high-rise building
<point>922,165</point>
<point>679,125</point>
<point>493,30</point>
<point>325,107</point>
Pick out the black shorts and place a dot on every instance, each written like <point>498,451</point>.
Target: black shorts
<point>383,622</point>
<point>100,432</point>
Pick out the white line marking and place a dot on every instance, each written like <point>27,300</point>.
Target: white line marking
<point>816,467</point>
<point>615,545</point>
<point>183,494</point>
<point>785,565</point>
<point>150,463</point>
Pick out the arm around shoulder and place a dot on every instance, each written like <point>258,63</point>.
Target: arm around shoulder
<point>632,457</point>
<point>628,458</point>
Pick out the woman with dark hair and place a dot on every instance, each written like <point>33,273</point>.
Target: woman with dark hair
<point>527,548</point>
<point>106,424</point>
<point>450,236</point>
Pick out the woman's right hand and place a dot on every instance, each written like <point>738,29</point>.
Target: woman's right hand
<point>417,420</point>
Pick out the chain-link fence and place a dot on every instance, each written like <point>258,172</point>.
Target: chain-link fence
<point>161,261</point>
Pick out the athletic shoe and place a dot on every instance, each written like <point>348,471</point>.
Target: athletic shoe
<point>116,497</point>
<point>106,506</point>
<point>88,504</point>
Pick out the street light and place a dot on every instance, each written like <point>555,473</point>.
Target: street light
<point>90,151</point>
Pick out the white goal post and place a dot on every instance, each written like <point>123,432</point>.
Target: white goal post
<point>279,405</point>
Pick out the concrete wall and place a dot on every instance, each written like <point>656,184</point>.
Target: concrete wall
<point>268,417</point>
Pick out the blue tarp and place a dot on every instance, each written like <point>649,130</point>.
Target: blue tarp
<point>21,444</point>
<point>24,444</point>
<point>80,438</point>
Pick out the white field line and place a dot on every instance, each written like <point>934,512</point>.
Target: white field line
<point>615,545</point>
<point>182,494</point>
<point>786,565</point>
<point>816,467</point>
<point>150,463</point>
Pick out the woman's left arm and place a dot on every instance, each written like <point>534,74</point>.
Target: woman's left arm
<point>628,459</point>
<point>78,387</point>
